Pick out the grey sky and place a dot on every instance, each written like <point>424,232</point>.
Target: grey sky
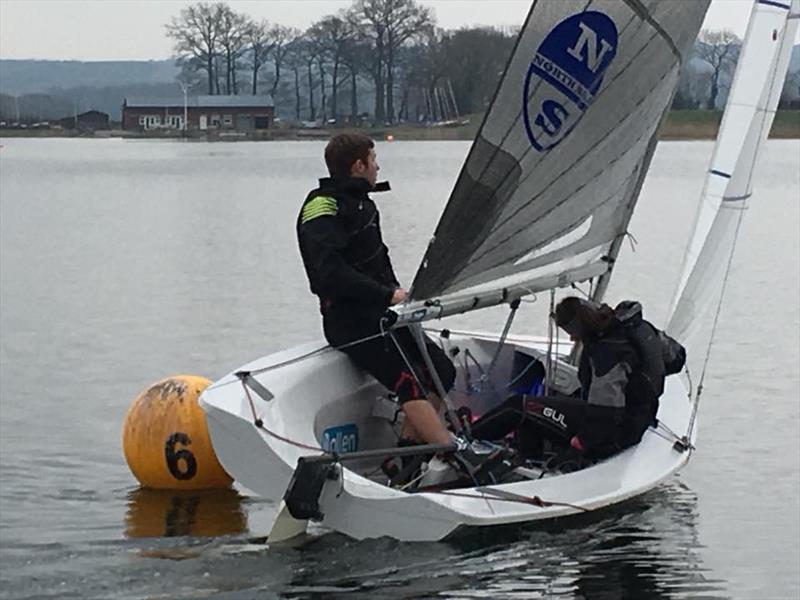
<point>134,29</point>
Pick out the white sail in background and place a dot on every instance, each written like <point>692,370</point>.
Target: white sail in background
<point>554,172</point>
<point>749,113</point>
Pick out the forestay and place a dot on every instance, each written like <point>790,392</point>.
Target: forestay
<point>553,175</point>
<point>749,113</point>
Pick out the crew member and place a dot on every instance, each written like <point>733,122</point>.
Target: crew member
<point>621,371</point>
<point>349,269</point>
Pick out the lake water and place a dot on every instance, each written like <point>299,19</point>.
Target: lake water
<point>123,262</point>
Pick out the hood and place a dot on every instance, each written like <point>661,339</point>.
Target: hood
<point>628,313</point>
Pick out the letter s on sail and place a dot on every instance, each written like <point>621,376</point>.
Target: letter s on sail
<point>551,117</point>
<point>565,74</point>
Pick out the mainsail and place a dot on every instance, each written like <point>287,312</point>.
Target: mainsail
<point>749,113</point>
<point>552,178</point>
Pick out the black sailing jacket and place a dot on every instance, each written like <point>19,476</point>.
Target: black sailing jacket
<point>622,376</point>
<point>347,263</point>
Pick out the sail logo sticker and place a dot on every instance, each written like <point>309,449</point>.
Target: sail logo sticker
<point>340,439</point>
<point>565,76</point>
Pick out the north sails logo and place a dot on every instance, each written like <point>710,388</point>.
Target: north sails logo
<point>565,75</point>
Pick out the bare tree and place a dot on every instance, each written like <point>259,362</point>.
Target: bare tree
<point>309,53</point>
<point>233,29</point>
<point>196,33</point>
<point>331,35</point>
<point>260,44</point>
<point>356,56</point>
<point>409,76</point>
<point>282,38</point>
<point>404,20</point>
<point>389,24</point>
<point>720,50</point>
<point>295,60</point>
<point>368,18</point>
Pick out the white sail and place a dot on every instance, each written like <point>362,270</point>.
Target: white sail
<point>749,113</point>
<point>554,172</point>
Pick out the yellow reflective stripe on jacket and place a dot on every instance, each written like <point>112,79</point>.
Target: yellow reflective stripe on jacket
<point>320,206</point>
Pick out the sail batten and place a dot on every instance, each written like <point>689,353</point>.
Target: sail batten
<point>564,139</point>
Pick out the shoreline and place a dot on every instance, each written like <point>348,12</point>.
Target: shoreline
<point>685,125</point>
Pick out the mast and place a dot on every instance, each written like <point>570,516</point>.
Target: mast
<point>452,97</point>
<point>442,115</point>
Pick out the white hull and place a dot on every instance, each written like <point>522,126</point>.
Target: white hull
<point>313,393</point>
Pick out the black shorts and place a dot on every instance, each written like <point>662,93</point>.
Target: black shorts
<point>380,358</point>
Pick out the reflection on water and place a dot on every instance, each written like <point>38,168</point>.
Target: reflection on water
<point>198,513</point>
<point>647,548</point>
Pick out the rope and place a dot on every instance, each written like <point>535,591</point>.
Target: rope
<point>314,353</point>
<point>661,425</point>
<point>531,500</point>
<point>632,240</point>
<point>260,424</point>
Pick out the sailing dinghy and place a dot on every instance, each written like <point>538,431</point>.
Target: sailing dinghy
<point>542,202</point>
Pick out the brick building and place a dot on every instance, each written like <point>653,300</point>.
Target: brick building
<point>237,113</point>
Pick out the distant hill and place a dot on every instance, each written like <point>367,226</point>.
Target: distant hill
<point>52,89</point>
<point>18,77</point>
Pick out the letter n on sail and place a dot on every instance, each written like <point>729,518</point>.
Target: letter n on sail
<point>565,74</point>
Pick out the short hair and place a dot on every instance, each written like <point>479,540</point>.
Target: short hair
<point>344,149</point>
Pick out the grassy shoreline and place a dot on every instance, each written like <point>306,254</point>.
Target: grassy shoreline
<point>680,125</point>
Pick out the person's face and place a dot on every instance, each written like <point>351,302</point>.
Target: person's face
<point>368,170</point>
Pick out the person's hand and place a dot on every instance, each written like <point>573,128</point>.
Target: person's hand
<point>399,295</point>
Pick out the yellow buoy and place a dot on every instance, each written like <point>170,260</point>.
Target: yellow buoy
<point>166,441</point>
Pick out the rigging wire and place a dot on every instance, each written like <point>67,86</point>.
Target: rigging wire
<point>548,380</point>
<point>259,422</point>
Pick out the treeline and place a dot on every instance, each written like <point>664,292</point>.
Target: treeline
<point>414,70</point>
<point>384,61</point>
